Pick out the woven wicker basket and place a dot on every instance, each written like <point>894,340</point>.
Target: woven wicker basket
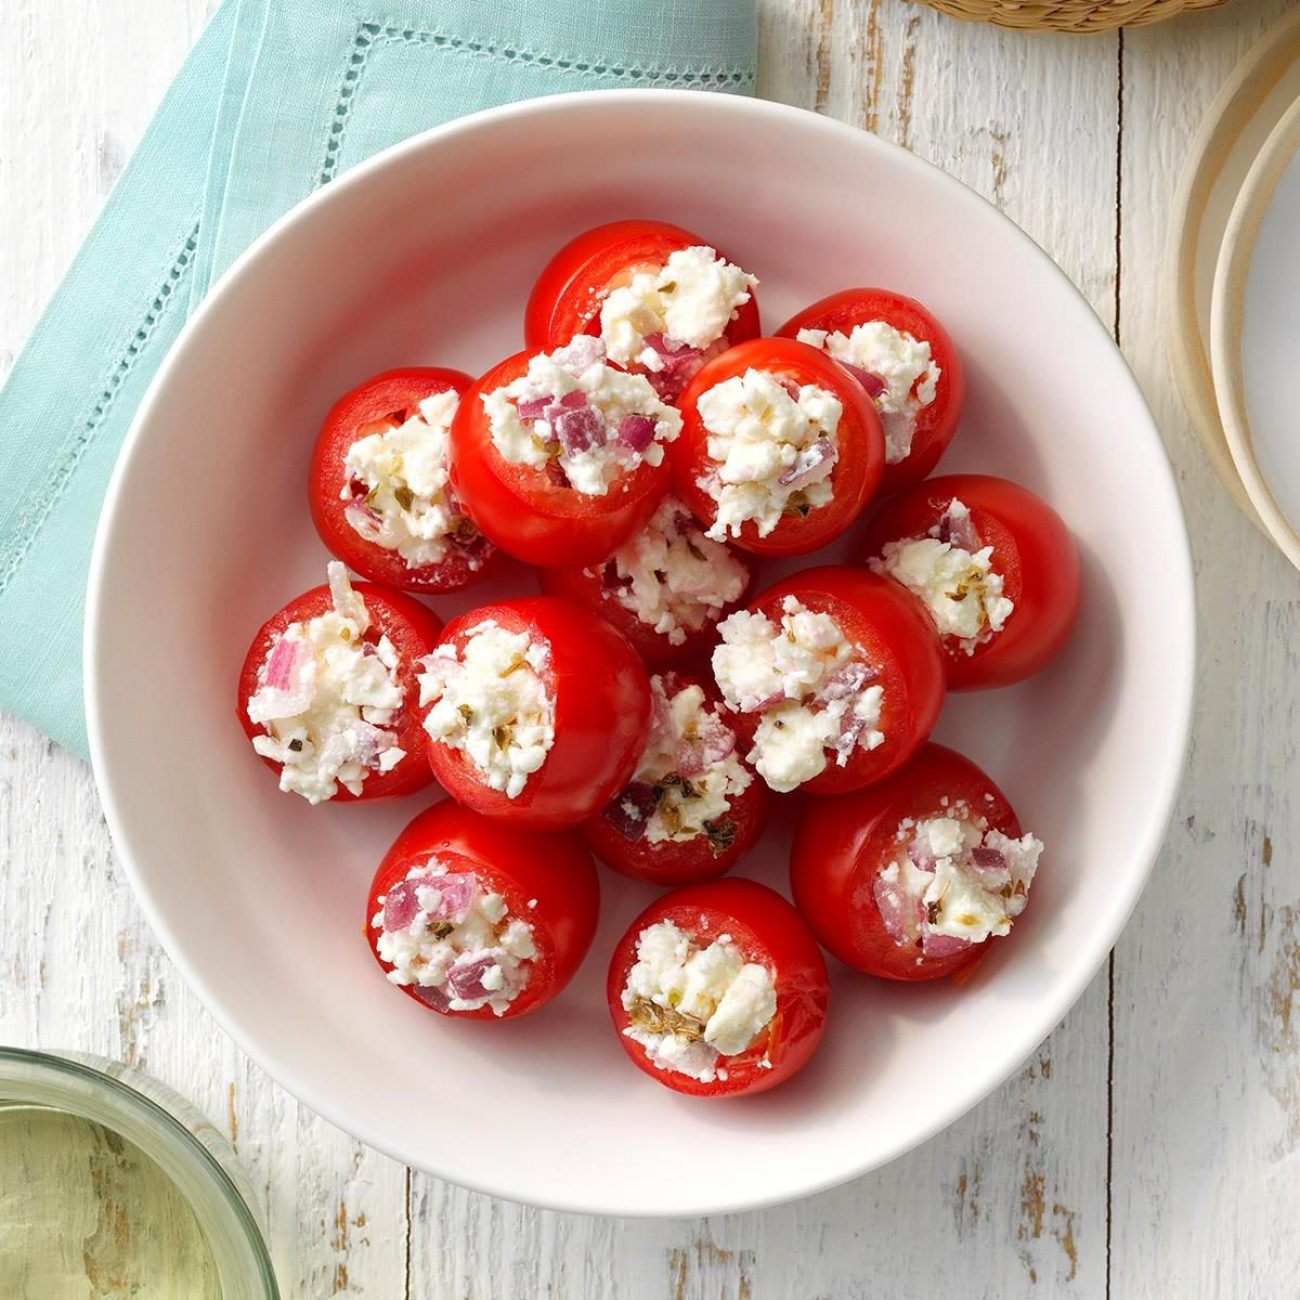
<point>1070,15</point>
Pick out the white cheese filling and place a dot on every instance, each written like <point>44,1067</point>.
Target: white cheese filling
<point>691,299</point>
<point>490,702</point>
<point>693,1007</point>
<point>688,774</point>
<point>579,419</point>
<point>327,698</point>
<point>960,588</point>
<point>441,930</point>
<point>953,882</point>
<point>772,450</point>
<point>398,492</point>
<point>673,577</point>
<point>814,691</point>
<point>901,363</point>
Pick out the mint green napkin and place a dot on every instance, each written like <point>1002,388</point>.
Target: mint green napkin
<point>277,98</point>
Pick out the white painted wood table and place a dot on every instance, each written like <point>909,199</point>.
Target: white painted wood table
<point>1151,1146</point>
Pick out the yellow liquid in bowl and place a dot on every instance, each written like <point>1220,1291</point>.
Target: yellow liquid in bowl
<point>86,1215</point>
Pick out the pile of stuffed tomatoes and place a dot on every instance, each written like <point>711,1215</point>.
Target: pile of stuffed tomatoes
<point>650,703</point>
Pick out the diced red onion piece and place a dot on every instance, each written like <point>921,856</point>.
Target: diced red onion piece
<point>873,384</point>
<point>455,894</point>
<point>767,702</point>
<point>401,905</point>
<point>959,531</point>
<point>465,978</point>
<point>808,464</point>
<point>636,432</point>
<point>581,353</point>
<point>920,856</point>
<point>283,663</point>
<point>668,347</point>
<point>990,867</point>
<point>848,679</point>
<point>713,742</point>
<point>534,408</point>
<point>641,800</point>
<point>942,945</point>
<point>900,913</point>
<point>361,517</point>
<point>579,430</point>
<point>435,995</point>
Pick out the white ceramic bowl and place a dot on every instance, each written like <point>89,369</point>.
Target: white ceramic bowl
<point>426,254</point>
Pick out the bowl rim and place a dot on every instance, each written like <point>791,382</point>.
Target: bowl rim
<point>26,1072</point>
<point>1091,954</point>
<point>1228,318</point>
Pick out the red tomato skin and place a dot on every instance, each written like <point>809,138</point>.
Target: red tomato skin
<point>1032,549</point>
<point>521,511</point>
<point>411,627</point>
<point>602,709</point>
<point>685,862</point>
<point>553,869</point>
<point>768,930</point>
<point>891,626</point>
<point>394,390</point>
<point>567,296</point>
<point>936,423</point>
<point>583,586</point>
<point>841,845</point>
<point>861,443</point>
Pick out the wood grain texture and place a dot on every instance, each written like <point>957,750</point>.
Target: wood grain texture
<point>1181,1174</point>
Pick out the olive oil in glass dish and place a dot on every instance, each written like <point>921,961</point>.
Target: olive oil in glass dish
<point>111,1186</point>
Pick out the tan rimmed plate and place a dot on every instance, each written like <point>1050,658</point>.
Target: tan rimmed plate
<point>1257,95</point>
<point>1255,334</point>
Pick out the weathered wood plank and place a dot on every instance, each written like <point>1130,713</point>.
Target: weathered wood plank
<point>1207,1099</point>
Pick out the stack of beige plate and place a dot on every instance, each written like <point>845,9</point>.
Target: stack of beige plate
<point>1234,291</point>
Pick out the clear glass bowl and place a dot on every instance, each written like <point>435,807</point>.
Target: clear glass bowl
<point>174,1138</point>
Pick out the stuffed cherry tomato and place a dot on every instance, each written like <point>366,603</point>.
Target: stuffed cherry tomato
<point>719,989</point>
<point>692,808</point>
<point>661,300</point>
<point>780,447</point>
<point>994,566</point>
<point>666,588</point>
<point>904,360</point>
<point>478,920</point>
<point>328,693</point>
<point>379,490</point>
<point>559,456</point>
<point>537,711</point>
<point>835,676</point>
<point>910,879</point>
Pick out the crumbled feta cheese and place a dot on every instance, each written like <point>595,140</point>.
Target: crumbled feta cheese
<point>692,1006</point>
<point>691,299</point>
<point>326,699</point>
<point>673,577</point>
<point>443,931</point>
<point>960,588</point>
<point>586,421</point>
<point>953,882</point>
<point>773,451</point>
<point>902,364</point>
<point>490,701</point>
<point>813,690</point>
<point>398,492</point>
<point>690,770</point>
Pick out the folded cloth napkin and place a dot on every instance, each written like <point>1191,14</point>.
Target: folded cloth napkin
<point>277,98</point>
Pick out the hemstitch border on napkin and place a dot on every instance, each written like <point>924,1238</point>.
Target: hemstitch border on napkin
<point>37,509</point>
<point>371,33</point>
